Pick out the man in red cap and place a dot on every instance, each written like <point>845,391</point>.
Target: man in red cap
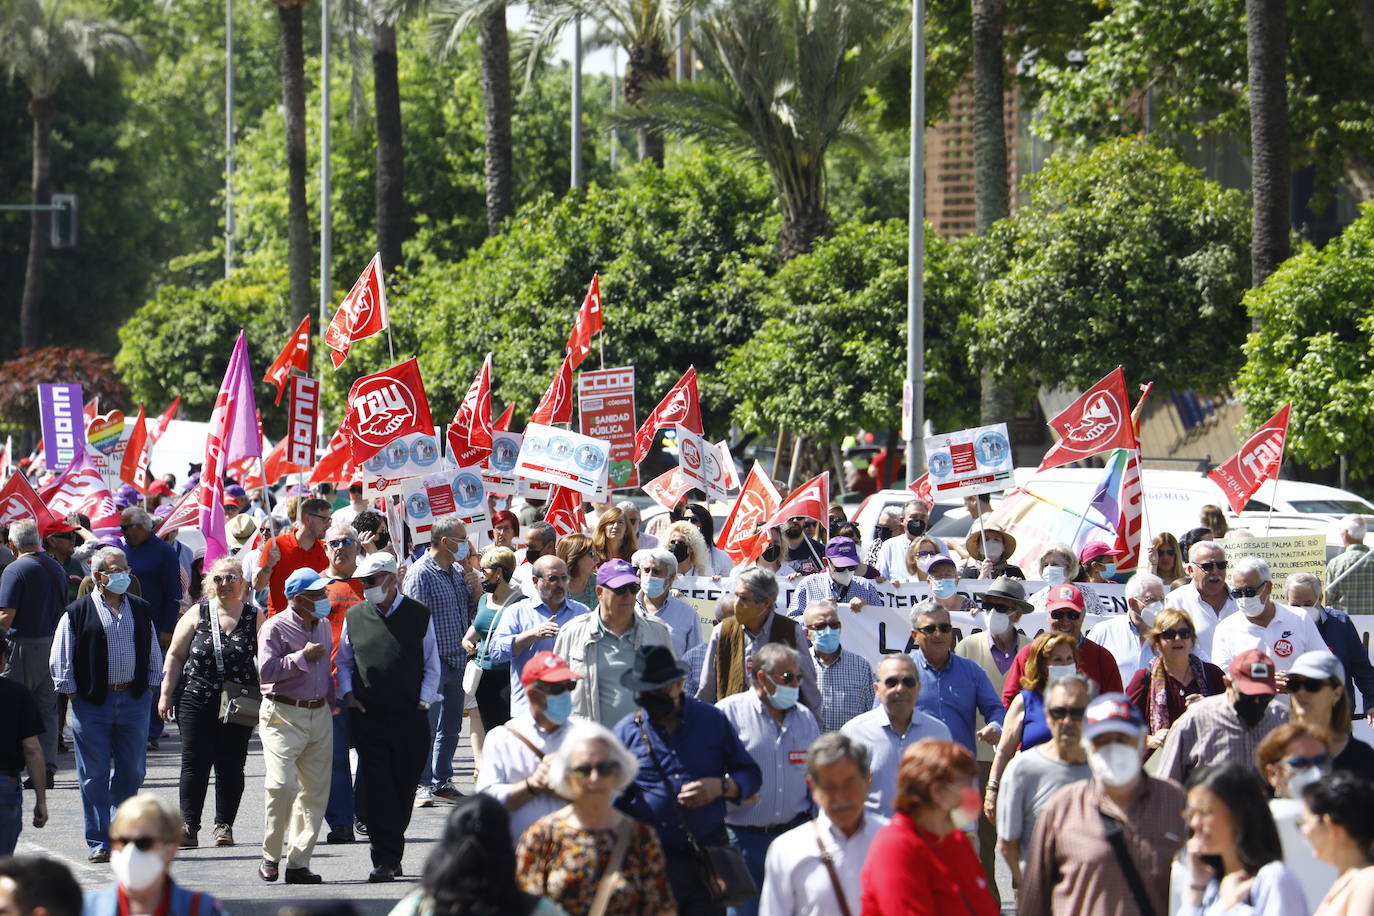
<point>516,756</point>
<point>1226,728</point>
<point>1064,604</point>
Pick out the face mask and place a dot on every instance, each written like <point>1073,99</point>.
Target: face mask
<point>321,608</point>
<point>1054,575</point>
<point>993,550</point>
<point>770,553</point>
<point>680,550</point>
<point>1313,612</point>
<point>826,640</point>
<point>1109,570</point>
<point>999,623</point>
<point>657,705</point>
<point>118,582</point>
<point>784,696</point>
<point>376,594</point>
<point>531,555</point>
<point>842,576</point>
<point>461,552</point>
<point>943,588</point>
<point>1251,709</point>
<point>1303,778</point>
<point>559,708</point>
<point>654,585</point>
<point>135,869</point>
<point>488,587</point>
<point>1116,765</point>
<point>916,527</point>
<point>966,815</point>
<point>1251,607</point>
<point>1058,671</point>
<point>880,533</point>
<point>1150,611</point>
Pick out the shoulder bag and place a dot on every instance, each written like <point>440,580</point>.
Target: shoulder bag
<point>607,883</point>
<point>830,869</point>
<point>238,703</point>
<point>1112,828</point>
<point>723,869</point>
<point>472,672</point>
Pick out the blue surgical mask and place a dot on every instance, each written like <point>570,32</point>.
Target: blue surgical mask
<point>943,588</point>
<point>784,696</point>
<point>653,585</point>
<point>460,553</point>
<point>321,609</point>
<point>559,708</point>
<point>1109,570</point>
<point>1054,575</point>
<point>118,582</point>
<point>826,640</point>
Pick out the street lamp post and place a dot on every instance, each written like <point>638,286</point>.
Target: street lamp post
<point>916,243</point>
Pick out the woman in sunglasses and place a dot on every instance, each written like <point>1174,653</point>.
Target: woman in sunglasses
<point>569,854</point>
<point>1316,687</point>
<point>145,835</point>
<point>1052,656</point>
<point>1166,558</point>
<point>1175,677</point>
<point>1339,824</point>
<point>215,642</point>
<point>1290,758</point>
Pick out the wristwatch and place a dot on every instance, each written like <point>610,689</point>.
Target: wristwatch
<point>424,706</point>
<point>728,787</point>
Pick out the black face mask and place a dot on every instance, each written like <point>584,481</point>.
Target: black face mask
<point>657,705</point>
<point>488,587</point>
<point>881,533</point>
<point>531,555</point>
<point>771,552</point>
<point>680,550</point>
<point>916,527</point>
<point>1251,709</point>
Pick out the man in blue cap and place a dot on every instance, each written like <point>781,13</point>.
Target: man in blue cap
<point>837,582</point>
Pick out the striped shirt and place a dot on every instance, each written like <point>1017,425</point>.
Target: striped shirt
<point>819,586</point>
<point>780,750</point>
<point>1354,594</point>
<point>1210,732</point>
<point>119,642</point>
<point>846,688</point>
<point>450,604</point>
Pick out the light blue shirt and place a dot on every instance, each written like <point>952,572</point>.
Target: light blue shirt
<point>780,750</point>
<point>429,685</point>
<point>680,618</point>
<point>119,643</point>
<point>874,731</point>
<point>955,694</point>
<point>526,615</point>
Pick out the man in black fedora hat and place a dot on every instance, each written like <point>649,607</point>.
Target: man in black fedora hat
<point>691,761</point>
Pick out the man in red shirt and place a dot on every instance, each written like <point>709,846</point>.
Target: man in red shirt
<point>1064,604</point>
<point>299,548</point>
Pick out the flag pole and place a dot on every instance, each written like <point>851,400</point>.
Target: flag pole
<point>1144,508</point>
<point>1274,492</point>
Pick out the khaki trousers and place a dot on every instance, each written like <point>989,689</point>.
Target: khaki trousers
<point>297,754</point>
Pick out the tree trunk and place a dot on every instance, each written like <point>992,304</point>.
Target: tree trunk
<point>643,66</point>
<point>298,257</point>
<point>42,110</point>
<point>494,42</point>
<point>804,216</point>
<point>386,90</point>
<point>1270,170</point>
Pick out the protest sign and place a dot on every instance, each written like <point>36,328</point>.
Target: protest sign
<point>105,445</point>
<point>498,474</point>
<point>700,463</point>
<point>64,430</point>
<point>606,411</point>
<point>305,411</point>
<point>448,492</point>
<point>970,461</point>
<point>409,456</point>
<point>559,456</point>
<point>1285,554</point>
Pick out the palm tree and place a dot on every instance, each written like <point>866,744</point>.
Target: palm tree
<point>783,76</point>
<point>390,182</point>
<point>43,45</point>
<point>290,31</point>
<point>1266,29</point>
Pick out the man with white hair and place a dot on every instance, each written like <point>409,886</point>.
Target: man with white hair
<point>1350,575</point>
<point>657,569</point>
<point>1341,637</point>
<point>1207,599</point>
<point>1274,629</point>
<point>1128,637</point>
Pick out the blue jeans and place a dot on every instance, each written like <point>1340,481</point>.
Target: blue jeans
<point>111,756</point>
<point>11,814</point>
<point>753,845</point>
<point>445,725</point>
<point>343,804</point>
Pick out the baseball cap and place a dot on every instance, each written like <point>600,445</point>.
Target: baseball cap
<point>1070,596</point>
<point>929,563</point>
<point>842,551</point>
<point>547,666</point>
<point>615,573</point>
<point>1319,665</point>
<point>1095,550</point>
<point>374,563</point>
<point>1112,713</point>
<point>304,580</point>
<point>1252,673</point>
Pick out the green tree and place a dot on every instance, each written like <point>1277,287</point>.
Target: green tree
<point>1121,254</point>
<point>1315,347</point>
<point>823,364</point>
<point>20,377</point>
<point>44,46</point>
<point>784,76</point>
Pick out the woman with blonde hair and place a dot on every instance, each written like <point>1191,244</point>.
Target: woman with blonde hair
<point>145,835</point>
<point>687,545</point>
<point>613,537</point>
<point>922,550</point>
<point>1166,558</point>
<point>576,551</point>
<point>1175,678</point>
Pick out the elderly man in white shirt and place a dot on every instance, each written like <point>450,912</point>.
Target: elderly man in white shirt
<point>892,558</point>
<point>813,869</point>
<point>1127,636</point>
<point>1206,599</point>
<point>1275,629</point>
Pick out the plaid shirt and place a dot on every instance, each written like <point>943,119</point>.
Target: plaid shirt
<point>819,586</point>
<point>1355,593</point>
<point>846,689</point>
<point>450,604</point>
<point>1209,732</point>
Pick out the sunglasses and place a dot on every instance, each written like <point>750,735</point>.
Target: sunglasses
<point>1307,684</point>
<point>787,677</point>
<point>553,579</point>
<point>553,690</point>
<point>927,553</point>
<point>1302,763</point>
<point>341,542</point>
<point>228,579</point>
<point>1065,615</point>
<point>931,629</point>
<point>1074,713</point>
<point>629,588</point>
<point>142,843</point>
<point>905,681</point>
<point>604,769</point>
<point>1180,633</point>
<point>822,625</point>
<point>1248,592</point>
<point>1218,566</point>
<point>1166,551</point>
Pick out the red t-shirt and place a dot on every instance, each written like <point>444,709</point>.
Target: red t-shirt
<point>1094,661</point>
<point>342,595</point>
<point>909,872</point>
<point>292,558</point>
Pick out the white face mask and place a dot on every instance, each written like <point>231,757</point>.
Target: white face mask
<point>1149,612</point>
<point>842,576</point>
<point>1302,779</point>
<point>1314,612</point>
<point>999,623</point>
<point>376,594</point>
<point>135,869</point>
<point>1054,575</point>
<point>1058,671</point>
<point>1116,764</point>
<point>1251,607</point>
<point>993,550</point>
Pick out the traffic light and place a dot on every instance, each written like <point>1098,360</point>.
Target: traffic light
<point>63,226</point>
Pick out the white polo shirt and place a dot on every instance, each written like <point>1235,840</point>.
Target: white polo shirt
<point>1288,635</point>
<point>1205,619</point>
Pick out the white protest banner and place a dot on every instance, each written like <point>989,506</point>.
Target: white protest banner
<point>562,457</point>
<point>409,456</point>
<point>449,492</point>
<point>970,461</point>
<point>1285,554</point>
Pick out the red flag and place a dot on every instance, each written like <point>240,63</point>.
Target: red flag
<point>810,500</point>
<point>681,406</point>
<point>134,468</point>
<point>556,404</point>
<point>384,407</point>
<point>164,421</point>
<point>1257,461</point>
<point>336,464</point>
<point>80,488</point>
<point>19,501</point>
<point>921,487</point>
<point>272,467</point>
<point>361,315</point>
<point>587,324</point>
<point>667,489</point>
<point>295,355</point>
<point>1097,422</point>
<point>186,512</point>
<point>502,423</point>
<point>92,408</point>
<point>1140,408</point>
<point>758,501</point>
<point>565,512</point>
<point>469,435</point>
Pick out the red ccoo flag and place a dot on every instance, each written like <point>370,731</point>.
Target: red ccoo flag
<point>361,315</point>
<point>1257,461</point>
<point>668,488</point>
<point>295,355</point>
<point>469,435</point>
<point>588,323</point>
<point>680,406</point>
<point>810,500</point>
<point>741,537</point>
<point>1099,421</point>
<point>384,407</point>
<point>565,512</point>
<point>921,487</point>
<point>134,468</point>
<point>19,501</point>
<point>556,404</point>
<point>336,464</point>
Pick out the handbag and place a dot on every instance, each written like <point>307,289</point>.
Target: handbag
<point>607,883</point>
<point>472,672</point>
<point>723,869</point>
<point>238,703</point>
<point>1112,828</point>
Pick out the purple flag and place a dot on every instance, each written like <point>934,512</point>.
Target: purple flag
<point>233,435</point>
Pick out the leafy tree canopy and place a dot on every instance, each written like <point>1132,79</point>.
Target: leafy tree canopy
<point>21,376</point>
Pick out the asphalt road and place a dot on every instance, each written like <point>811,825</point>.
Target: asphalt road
<point>231,873</point>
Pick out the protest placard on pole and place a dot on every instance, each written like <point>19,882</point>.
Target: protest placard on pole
<point>1285,554</point>
<point>969,462</point>
<point>564,458</point>
<point>64,428</point>
<point>409,456</point>
<point>305,411</point>
<point>606,410</point>
<point>498,473</point>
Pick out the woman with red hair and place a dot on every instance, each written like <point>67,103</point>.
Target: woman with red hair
<point>504,527</point>
<point>922,862</point>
